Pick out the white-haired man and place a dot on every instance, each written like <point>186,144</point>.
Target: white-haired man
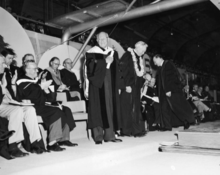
<point>130,78</point>
<point>101,74</point>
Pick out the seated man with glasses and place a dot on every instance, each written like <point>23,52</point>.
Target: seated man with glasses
<point>26,59</point>
<point>58,121</point>
<point>69,78</point>
<point>53,73</point>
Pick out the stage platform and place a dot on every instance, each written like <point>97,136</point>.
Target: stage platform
<point>132,156</point>
<point>200,139</point>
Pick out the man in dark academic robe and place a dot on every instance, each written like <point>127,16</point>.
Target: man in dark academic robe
<point>58,122</point>
<point>26,58</point>
<point>175,110</point>
<point>131,69</point>
<point>68,77</point>
<point>102,109</point>
<point>150,105</point>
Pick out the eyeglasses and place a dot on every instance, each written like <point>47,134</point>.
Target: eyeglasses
<point>33,68</point>
<point>28,61</point>
<point>68,62</point>
<point>56,64</point>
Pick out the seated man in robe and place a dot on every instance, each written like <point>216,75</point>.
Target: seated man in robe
<point>69,78</point>
<point>53,73</point>
<point>16,115</point>
<point>26,58</point>
<point>58,122</point>
<point>147,102</point>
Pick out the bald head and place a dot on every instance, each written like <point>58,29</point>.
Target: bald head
<point>67,63</point>
<point>140,48</point>
<point>102,39</point>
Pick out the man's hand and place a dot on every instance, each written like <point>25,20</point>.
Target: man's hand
<point>14,78</point>
<point>128,89</point>
<point>168,94</point>
<point>62,87</point>
<point>4,81</point>
<point>195,98</point>
<point>42,77</point>
<point>45,84</point>
<point>2,68</point>
<point>109,60</point>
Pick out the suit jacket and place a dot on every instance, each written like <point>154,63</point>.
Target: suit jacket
<point>9,74</point>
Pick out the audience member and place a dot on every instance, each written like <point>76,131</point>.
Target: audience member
<point>69,78</point>
<point>26,59</point>
<point>57,120</point>
<point>149,104</point>
<point>16,115</point>
<point>53,73</point>
<point>9,55</point>
<point>198,102</point>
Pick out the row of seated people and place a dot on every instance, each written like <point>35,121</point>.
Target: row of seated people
<point>201,103</point>
<point>27,84</point>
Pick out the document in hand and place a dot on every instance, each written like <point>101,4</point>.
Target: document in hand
<point>156,99</point>
<point>13,102</point>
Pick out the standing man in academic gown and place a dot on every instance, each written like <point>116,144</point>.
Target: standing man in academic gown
<point>130,80</point>
<point>175,110</point>
<point>101,74</point>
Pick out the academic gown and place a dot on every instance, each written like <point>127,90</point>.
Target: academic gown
<point>56,86</point>
<point>175,110</point>
<point>103,96</point>
<point>32,91</point>
<point>132,120</point>
<point>69,79</point>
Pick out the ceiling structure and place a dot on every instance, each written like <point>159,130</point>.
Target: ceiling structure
<point>190,36</point>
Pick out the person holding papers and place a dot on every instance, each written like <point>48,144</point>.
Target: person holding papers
<point>16,115</point>
<point>58,122</point>
<point>150,103</point>
<point>175,110</point>
<point>54,74</point>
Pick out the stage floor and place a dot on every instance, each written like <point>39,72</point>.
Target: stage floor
<point>134,156</point>
<point>208,127</point>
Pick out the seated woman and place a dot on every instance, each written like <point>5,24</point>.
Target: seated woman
<point>53,73</point>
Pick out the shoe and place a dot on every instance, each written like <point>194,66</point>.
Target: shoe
<point>55,147</point>
<point>186,125</point>
<point>67,143</point>
<point>142,134</point>
<point>115,140</point>
<point>165,129</point>
<point>125,135</point>
<point>6,135</point>
<point>15,153</point>
<point>37,150</point>
<point>98,142</point>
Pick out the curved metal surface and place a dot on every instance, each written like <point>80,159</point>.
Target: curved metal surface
<point>135,13</point>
